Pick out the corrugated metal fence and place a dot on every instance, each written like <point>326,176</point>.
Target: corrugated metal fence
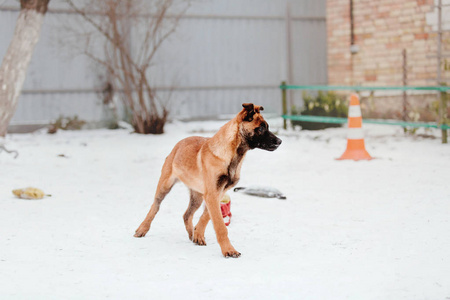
<point>224,52</point>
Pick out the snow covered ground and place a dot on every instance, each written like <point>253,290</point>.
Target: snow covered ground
<point>375,229</point>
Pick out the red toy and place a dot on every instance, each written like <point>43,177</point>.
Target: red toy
<point>225,205</point>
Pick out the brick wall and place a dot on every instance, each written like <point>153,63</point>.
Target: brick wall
<point>382,29</point>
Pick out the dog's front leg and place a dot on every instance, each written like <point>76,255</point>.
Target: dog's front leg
<point>199,231</point>
<point>212,199</point>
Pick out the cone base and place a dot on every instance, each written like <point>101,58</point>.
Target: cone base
<point>356,150</point>
<point>356,155</point>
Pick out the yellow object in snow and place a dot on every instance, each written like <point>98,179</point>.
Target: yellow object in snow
<point>225,199</point>
<point>29,193</point>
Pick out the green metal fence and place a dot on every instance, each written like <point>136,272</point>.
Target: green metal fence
<point>363,88</point>
<point>441,89</point>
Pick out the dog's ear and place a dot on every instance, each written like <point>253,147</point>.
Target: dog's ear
<point>248,106</point>
<point>258,108</point>
<point>248,112</point>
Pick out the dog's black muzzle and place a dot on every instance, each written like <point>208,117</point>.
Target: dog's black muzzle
<point>268,141</point>
<point>273,144</point>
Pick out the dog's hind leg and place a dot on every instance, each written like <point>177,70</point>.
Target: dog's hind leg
<point>165,184</point>
<point>195,201</point>
<point>199,231</point>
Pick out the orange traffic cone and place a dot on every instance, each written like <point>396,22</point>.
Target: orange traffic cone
<point>356,149</point>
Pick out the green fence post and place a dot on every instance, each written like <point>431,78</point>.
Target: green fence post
<point>284,102</point>
<point>443,116</point>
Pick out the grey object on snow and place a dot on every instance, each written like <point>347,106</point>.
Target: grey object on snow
<point>3,148</point>
<point>261,191</point>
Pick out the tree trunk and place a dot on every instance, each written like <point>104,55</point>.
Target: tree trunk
<point>18,56</point>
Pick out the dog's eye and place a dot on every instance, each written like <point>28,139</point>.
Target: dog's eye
<point>260,130</point>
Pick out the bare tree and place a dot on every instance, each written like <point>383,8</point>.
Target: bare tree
<point>15,63</point>
<point>150,23</point>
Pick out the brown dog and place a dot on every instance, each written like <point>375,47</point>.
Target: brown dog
<point>209,167</point>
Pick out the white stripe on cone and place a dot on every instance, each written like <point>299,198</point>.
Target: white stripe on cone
<point>354,111</point>
<point>355,133</point>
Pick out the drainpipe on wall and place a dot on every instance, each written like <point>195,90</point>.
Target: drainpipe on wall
<point>353,47</point>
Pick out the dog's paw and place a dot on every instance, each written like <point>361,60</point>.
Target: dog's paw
<point>141,231</point>
<point>199,239</point>
<point>231,253</point>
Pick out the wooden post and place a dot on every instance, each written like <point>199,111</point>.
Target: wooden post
<point>284,103</point>
<point>443,96</point>
<point>443,116</point>
<point>405,83</point>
